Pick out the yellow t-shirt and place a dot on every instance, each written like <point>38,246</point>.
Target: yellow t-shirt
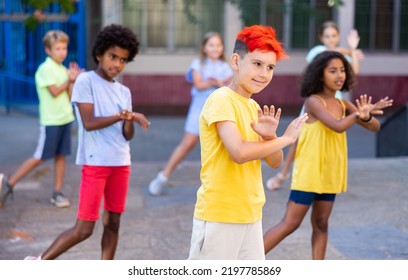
<point>320,164</point>
<point>229,192</point>
<point>53,110</point>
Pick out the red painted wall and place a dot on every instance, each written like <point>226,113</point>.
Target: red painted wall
<point>395,87</point>
<point>170,94</point>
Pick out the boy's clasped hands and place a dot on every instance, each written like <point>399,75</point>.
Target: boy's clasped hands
<point>135,117</point>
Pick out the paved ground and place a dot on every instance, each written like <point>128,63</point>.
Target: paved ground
<point>370,221</point>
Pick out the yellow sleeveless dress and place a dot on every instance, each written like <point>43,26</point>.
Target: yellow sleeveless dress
<point>320,164</point>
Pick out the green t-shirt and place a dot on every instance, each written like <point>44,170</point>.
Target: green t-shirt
<point>53,110</point>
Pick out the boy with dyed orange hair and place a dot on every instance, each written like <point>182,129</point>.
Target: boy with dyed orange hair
<point>235,134</point>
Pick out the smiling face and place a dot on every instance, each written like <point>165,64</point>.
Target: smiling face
<point>334,75</point>
<point>330,38</point>
<point>112,62</point>
<point>58,51</point>
<point>213,48</point>
<point>253,72</point>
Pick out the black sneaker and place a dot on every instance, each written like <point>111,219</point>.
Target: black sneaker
<point>59,200</point>
<point>5,189</point>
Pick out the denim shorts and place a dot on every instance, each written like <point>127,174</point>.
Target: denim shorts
<point>53,140</point>
<point>307,198</point>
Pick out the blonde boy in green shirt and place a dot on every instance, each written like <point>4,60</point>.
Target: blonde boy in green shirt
<point>54,85</point>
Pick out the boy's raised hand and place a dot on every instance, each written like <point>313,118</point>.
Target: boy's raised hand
<point>268,122</point>
<point>293,129</point>
<point>73,71</point>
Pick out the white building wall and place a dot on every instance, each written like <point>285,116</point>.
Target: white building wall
<point>233,25</point>
<point>112,12</point>
<point>346,20</point>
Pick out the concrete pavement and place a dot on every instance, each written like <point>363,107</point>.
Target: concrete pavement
<point>369,221</point>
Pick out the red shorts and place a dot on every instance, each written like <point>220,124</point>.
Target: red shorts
<point>110,182</point>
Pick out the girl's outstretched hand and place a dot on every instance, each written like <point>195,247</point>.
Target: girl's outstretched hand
<point>141,120</point>
<point>293,129</point>
<point>360,54</point>
<point>365,107</point>
<point>381,104</point>
<point>268,122</point>
<point>353,39</point>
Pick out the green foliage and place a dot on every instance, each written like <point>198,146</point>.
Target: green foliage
<point>31,23</point>
<point>39,5</point>
<point>249,10</point>
<point>334,3</point>
<point>66,5</point>
<point>187,9</point>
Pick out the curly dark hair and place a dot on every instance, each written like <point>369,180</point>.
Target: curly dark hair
<point>115,35</point>
<point>312,81</point>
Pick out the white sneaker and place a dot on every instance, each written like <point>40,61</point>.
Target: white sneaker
<point>33,258</point>
<point>276,181</point>
<point>157,184</point>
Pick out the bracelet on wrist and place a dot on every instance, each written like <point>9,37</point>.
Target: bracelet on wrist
<point>367,120</point>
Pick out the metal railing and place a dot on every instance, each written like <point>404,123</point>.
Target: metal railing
<point>18,91</point>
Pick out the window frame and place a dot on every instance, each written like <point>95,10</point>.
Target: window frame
<point>171,43</point>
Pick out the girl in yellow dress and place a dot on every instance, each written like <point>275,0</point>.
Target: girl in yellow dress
<point>320,168</point>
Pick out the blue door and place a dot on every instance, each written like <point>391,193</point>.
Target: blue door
<point>22,50</point>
